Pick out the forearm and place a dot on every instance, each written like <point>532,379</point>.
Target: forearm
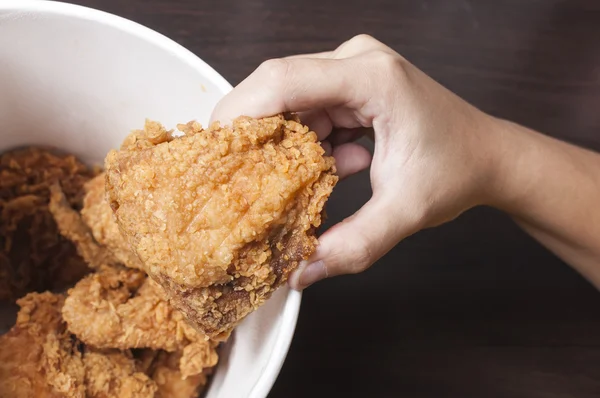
<point>552,189</point>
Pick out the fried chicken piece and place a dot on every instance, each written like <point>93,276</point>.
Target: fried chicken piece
<point>33,257</point>
<point>94,231</point>
<point>71,225</point>
<point>21,349</point>
<point>220,217</point>
<point>121,308</point>
<point>98,215</point>
<point>112,373</point>
<point>40,358</point>
<point>164,368</point>
<point>77,371</point>
<point>94,373</point>
<point>62,362</point>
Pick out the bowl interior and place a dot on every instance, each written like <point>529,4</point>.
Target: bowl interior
<point>80,80</point>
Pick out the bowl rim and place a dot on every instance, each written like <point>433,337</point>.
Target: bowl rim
<point>289,314</point>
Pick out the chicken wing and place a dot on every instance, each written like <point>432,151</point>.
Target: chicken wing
<point>70,225</point>
<point>220,217</point>
<point>121,308</point>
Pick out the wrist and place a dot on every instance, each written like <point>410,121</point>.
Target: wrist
<point>512,160</point>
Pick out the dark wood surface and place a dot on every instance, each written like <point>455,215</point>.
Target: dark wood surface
<point>474,308</point>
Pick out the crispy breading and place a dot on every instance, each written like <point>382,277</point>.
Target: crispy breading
<point>71,225</point>
<point>97,214</point>
<point>164,368</point>
<point>40,358</point>
<point>220,217</point>
<point>33,257</point>
<point>112,373</point>
<point>121,308</point>
<point>21,349</point>
<point>117,307</point>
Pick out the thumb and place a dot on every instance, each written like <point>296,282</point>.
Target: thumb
<point>354,244</point>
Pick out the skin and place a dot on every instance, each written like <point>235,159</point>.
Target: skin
<point>435,157</point>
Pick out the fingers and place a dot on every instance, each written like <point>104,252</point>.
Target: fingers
<point>352,245</point>
<point>296,85</point>
<point>342,136</point>
<point>318,121</point>
<point>350,158</point>
<point>304,82</point>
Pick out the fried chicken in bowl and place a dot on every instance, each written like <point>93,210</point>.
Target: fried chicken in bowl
<point>84,103</point>
<point>221,216</point>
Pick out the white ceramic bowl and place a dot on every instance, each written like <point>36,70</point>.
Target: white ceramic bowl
<point>80,80</point>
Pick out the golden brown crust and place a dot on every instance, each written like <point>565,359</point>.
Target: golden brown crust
<point>220,217</point>
<point>113,373</point>
<point>117,307</point>
<point>33,257</point>
<point>22,348</point>
<point>71,226</point>
<point>164,368</point>
<point>97,214</point>
<point>40,358</point>
<point>121,308</point>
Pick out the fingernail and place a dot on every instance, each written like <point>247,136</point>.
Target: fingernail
<point>312,273</point>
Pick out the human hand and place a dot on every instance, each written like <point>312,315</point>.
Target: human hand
<point>434,154</point>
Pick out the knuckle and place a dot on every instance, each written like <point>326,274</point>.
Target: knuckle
<point>360,255</point>
<point>364,41</point>
<point>391,64</point>
<point>276,69</point>
<point>389,71</point>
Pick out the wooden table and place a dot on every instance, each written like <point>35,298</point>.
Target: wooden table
<point>474,308</point>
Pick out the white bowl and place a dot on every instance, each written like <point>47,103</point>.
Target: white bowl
<point>81,79</point>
